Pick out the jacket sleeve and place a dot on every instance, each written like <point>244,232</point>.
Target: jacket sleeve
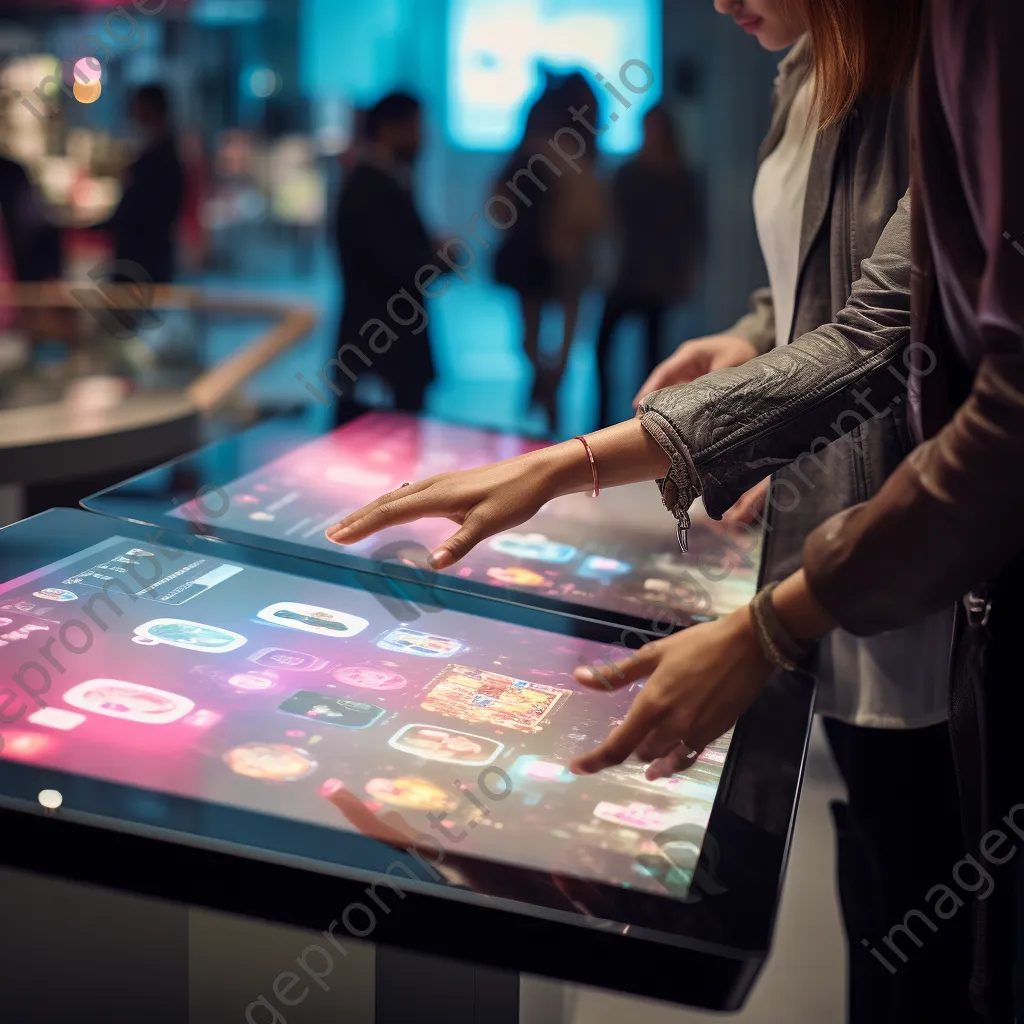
<point>949,517</point>
<point>758,326</point>
<point>730,429</point>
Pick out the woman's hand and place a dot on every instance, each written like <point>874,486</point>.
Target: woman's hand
<point>482,501</point>
<point>699,682</point>
<point>750,505</point>
<point>694,359</point>
<point>501,496</point>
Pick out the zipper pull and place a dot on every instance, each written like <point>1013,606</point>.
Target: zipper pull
<point>683,532</point>
<point>979,609</point>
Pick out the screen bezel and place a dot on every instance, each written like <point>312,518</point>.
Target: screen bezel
<point>146,498</point>
<point>751,821</point>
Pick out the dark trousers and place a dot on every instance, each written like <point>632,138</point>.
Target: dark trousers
<point>616,308</point>
<point>987,712</point>
<point>898,835</point>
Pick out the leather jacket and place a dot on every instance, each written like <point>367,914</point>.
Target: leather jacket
<point>949,518</point>
<point>782,412</point>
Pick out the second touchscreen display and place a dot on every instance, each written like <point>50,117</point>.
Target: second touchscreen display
<point>618,553</point>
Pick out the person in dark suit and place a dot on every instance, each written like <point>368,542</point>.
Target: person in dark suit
<point>383,246</point>
<point>144,225</point>
<point>33,238</point>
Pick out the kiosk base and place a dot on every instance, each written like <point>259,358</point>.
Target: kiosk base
<point>415,987</point>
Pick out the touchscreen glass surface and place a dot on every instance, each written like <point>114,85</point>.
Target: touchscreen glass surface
<point>182,673</point>
<point>618,553</point>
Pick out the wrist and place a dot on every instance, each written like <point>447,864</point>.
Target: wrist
<point>799,611</point>
<point>564,469</point>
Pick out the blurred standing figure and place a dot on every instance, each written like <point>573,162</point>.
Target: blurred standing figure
<point>382,244</point>
<point>144,225</point>
<point>32,238</point>
<point>659,232</point>
<point>546,254</point>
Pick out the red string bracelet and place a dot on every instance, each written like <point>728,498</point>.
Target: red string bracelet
<point>593,464</point>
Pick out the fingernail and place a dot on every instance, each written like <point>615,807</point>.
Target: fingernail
<point>338,534</point>
<point>438,559</point>
<point>584,675</point>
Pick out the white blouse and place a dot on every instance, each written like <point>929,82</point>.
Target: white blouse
<point>867,682</point>
<point>779,195</point>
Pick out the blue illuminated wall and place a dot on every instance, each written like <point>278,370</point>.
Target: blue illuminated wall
<point>499,48</point>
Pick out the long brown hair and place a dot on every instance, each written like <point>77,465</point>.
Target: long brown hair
<point>858,45</point>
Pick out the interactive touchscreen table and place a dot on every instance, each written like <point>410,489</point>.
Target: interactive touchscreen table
<point>284,736</point>
<point>280,488</point>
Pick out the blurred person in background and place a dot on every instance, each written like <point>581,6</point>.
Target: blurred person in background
<point>884,698</point>
<point>33,239</point>
<point>659,235</point>
<point>144,226</point>
<point>382,244</point>
<point>546,255</point>
<point>31,252</point>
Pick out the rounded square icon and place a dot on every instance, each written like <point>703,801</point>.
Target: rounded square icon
<point>192,636</point>
<point>283,658</point>
<point>56,718</point>
<point>55,594</point>
<point>449,745</point>
<point>423,645</point>
<point>600,567</point>
<point>533,546</point>
<point>130,701</point>
<point>311,619</point>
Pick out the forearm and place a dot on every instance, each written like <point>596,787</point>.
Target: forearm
<point>623,454</point>
<point>947,520</point>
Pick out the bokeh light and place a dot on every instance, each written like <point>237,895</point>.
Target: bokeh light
<point>263,83</point>
<point>51,799</point>
<point>88,71</point>
<point>87,93</point>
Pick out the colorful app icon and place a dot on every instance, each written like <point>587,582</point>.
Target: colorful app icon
<point>448,745</point>
<point>530,766</point>
<point>282,658</point>
<point>478,696</point>
<point>533,546</point>
<point>270,762</point>
<point>192,636</point>
<point>598,567</point>
<point>57,718</point>
<point>414,794</point>
<point>55,594</point>
<point>261,517</point>
<point>237,682</point>
<point>130,701</point>
<point>424,645</point>
<point>646,817</point>
<point>311,619</point>
<point>363,677</point>
<point>327,710</point>
<point>516,576</point>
